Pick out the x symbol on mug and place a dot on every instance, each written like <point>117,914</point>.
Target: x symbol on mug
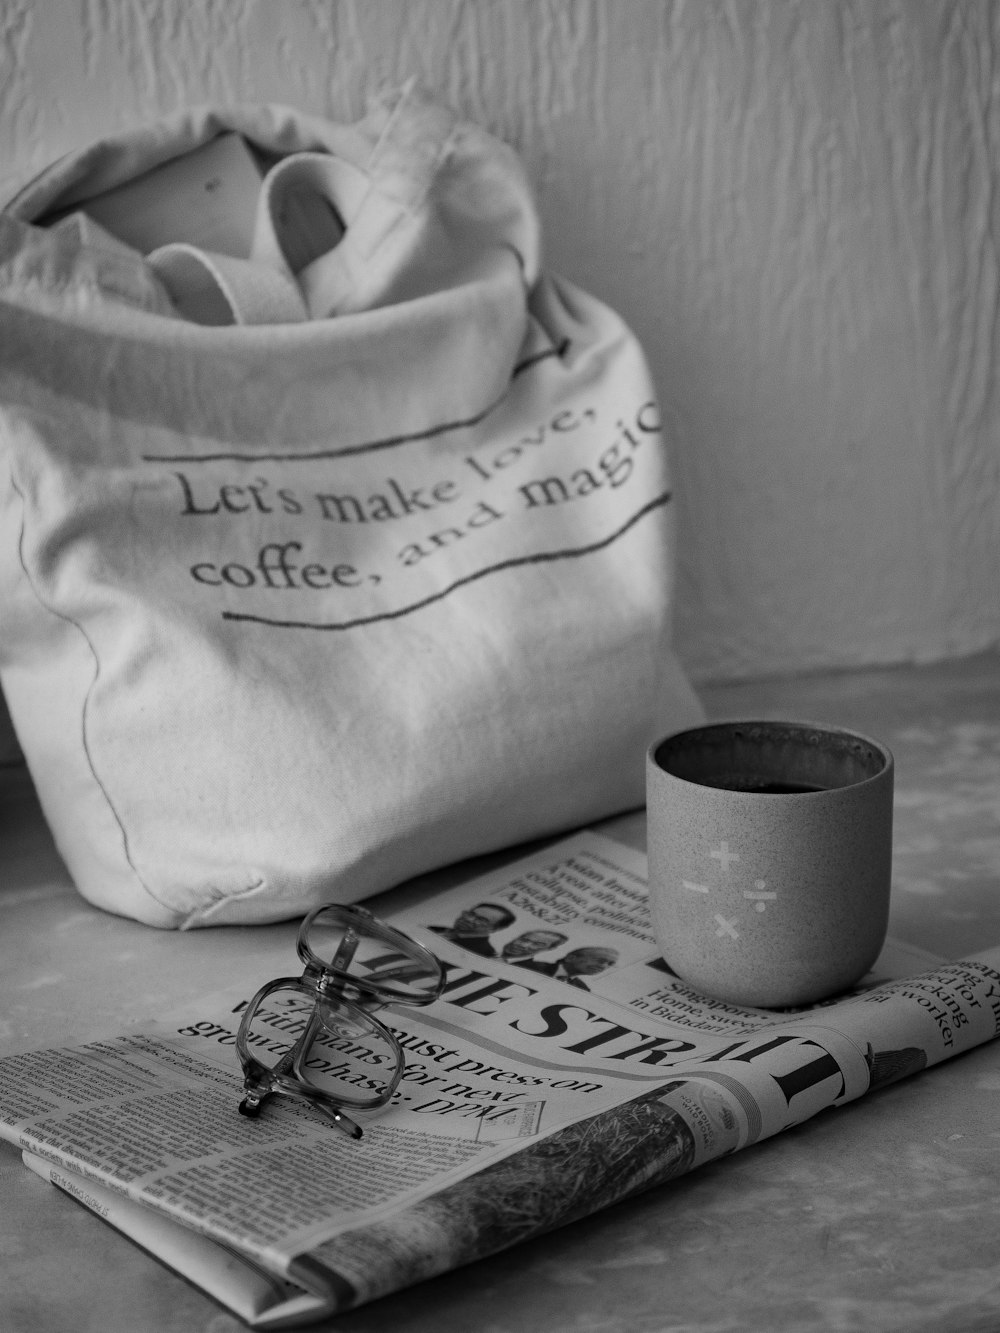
<point>727,927</point>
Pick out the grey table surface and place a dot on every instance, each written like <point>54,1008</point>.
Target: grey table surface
<point>880,1216</point>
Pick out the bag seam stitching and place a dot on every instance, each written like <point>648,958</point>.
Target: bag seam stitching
<point>203,914</point>
<point>68,620</point>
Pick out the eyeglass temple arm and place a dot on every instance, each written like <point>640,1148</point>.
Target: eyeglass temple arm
<point>343,1122</point>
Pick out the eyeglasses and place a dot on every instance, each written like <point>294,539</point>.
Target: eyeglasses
<point>315,1037</point>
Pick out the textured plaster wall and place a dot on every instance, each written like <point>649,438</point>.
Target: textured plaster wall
<point>794,204</point>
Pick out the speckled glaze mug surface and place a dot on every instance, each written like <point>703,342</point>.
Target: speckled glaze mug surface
<point>770,858</point>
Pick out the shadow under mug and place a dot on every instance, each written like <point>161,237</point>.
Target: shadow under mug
<point>770,858</point>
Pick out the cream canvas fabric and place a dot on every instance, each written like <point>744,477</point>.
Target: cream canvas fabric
<point>317,575</point>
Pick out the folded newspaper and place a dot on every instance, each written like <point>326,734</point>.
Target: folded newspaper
<point>563,1068</point>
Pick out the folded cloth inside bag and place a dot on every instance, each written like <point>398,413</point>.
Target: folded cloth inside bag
<point>292,273</point>
<point>320,568</point>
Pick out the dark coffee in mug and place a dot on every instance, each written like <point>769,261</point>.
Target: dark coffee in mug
<point>769,758</point>
<point>762,785</point>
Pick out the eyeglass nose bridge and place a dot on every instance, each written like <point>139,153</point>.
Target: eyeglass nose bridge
<point>331,985</point>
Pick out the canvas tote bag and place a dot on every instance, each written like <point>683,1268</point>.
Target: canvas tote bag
<point>317,572</point>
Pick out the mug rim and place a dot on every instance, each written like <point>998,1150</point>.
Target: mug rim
<point>788,725</point>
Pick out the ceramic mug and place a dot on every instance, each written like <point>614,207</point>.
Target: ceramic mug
<point>770,858</point>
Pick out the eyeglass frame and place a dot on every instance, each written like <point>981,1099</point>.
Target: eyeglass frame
<point>354,995</point>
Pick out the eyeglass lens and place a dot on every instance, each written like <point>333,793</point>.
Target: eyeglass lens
<point>376,957</point>
<point>335,1048</point>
